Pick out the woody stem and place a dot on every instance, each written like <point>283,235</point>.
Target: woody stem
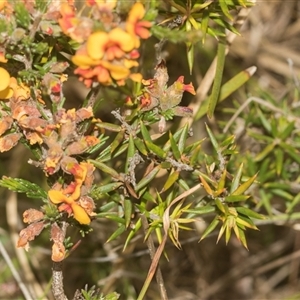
<point>57,274</point>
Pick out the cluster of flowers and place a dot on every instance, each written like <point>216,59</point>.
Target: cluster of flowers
<point>60,140</point>
<point>106,46</point>
<point>164,99</point>
<point>73,199</point>
<point>105,55</point>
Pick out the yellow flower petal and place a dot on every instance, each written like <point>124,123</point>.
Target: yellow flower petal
<point>80,214</point>
<point>80,173</point>
<point>137,77</point>
<point>5,79</point>
<point>130,63</point>
<point>57,197</point>
<point>76,193</point>
<point>136,13</point>
<point>116,72</point>
<point>122,38</point>
<point>21,92</point>
<point>96,44</point>
<point>7,93</point>
<point>84,61</point>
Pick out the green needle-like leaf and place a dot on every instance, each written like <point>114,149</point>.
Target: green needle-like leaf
<point>249,213</point>
<point>225,9</point>
<point>147,179</point>
<point>241,236</point>
<point>145,133</point>
<point>236,179</point>
<point>117,233</point>
<point>109,126</point>
<point>170,181</point>
<point>182,139</point>
<point>18,185</point>
<point>279,157</point>
<point>210,228</point>
<point>207,209</point>
<point>117,141</point>
<point>236,198</point>
<point>127,211</point>
<point>213,100</point>
<point>106,188</point>
<point>140,145</point>
<point>221,206</point>
<point>265,152</point>
<point>132,233</point>
<point>212,138</point>
<point>174,147</point>
<point>244,187</point>
<point>156,149</point>
<point>227,89</point>
<point>204,24</point>
<point>287,131</point>
<point>103,167</point>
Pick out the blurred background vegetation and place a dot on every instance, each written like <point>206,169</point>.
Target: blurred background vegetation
<point>267,133</point>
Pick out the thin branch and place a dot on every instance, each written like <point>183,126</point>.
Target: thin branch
<point>15,273</point>
<point>57,274</point>
<point>261,102</point>
<point>13,220</point>
<point>57,281</point>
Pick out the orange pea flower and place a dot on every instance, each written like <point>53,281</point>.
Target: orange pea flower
<point>112,45</point>
<point>101,70</point>
<point>135,27</point>
<point>77,28</point>
<point>69,199</point>
<point>20,91</point>
<point>5,90</point>
<point>70,205</point>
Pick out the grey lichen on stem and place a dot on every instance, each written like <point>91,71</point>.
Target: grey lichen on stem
<point>57,281</point>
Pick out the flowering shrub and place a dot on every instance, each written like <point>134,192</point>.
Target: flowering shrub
<point>40,44</point>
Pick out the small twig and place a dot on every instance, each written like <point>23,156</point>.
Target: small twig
<point>290,258</point>
<point>151,247</point>
<point>293,73</point>
<point>133,162</point>
<point>15,273</point>
<point>261,102</point>
<point>13,220</point>
<point>180,166</point>
<point>269,285</point>
<point>57,281</point>
<point>92,96</point>
<point>239,271</point>
<point>117,115</point>
<point>35,26</point>
<point>176,22</point>
<point>23,59</point>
